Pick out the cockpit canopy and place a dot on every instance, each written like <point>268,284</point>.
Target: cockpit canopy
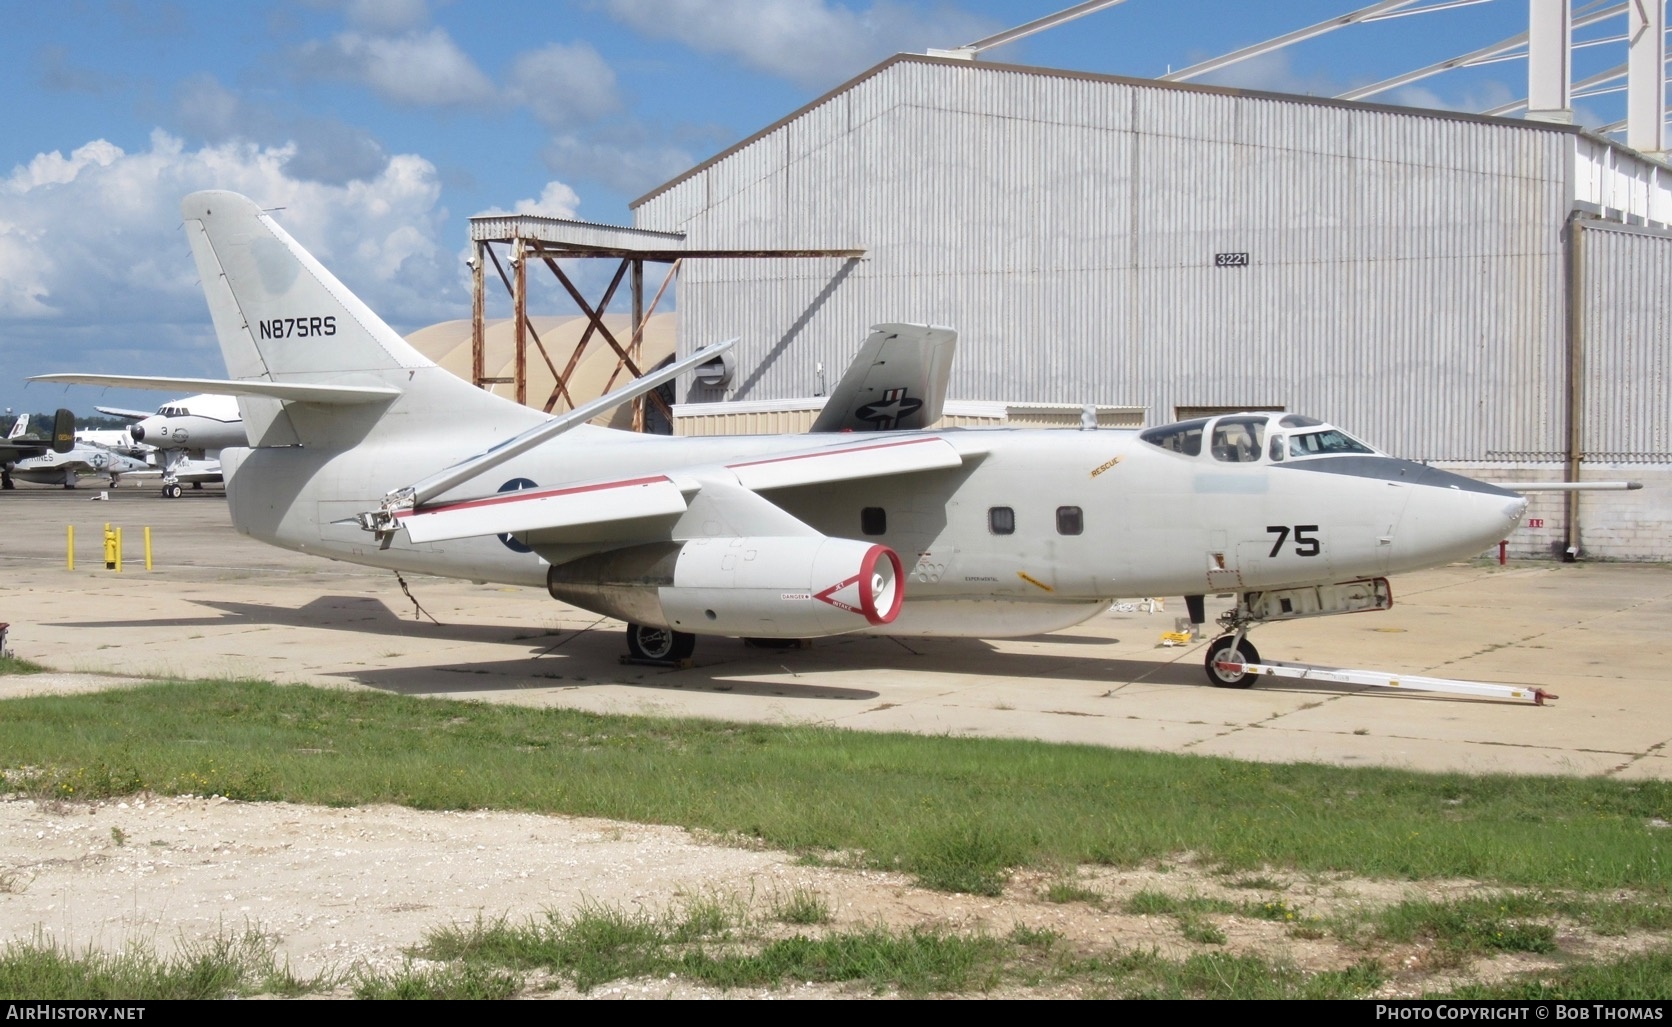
<point>1251,438</point>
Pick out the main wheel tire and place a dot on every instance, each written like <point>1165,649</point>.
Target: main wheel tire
<point>171,491</point>
<point>664,645</point>
<point>1221,650</point>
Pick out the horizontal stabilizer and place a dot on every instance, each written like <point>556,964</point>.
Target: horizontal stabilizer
<point>291,392</point>
<point>535,509</point>
<point>844,463</point>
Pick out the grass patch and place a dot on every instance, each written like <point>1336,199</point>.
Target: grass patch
<point>1470,927</point>
<point>1149,902</point>
<point>959,814</point>
<point>1643,976</point>
<point>802,906</point>
<point>1257,883</point>
<point>1217,975</point>
<point>598,944</point>
<point>15,665</point>
<point>226,967</point>
<point>1067,890</point>
<point>451,981</point>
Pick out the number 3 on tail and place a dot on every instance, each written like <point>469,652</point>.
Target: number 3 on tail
<point>1306,539</point>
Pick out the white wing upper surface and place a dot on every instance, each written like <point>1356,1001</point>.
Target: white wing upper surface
<point>637,498</point>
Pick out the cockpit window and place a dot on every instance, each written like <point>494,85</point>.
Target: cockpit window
<point>1238,440</point>
<point>1329,441</point>
<point>1185,437</point>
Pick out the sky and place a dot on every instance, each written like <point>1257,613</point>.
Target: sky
<point>380,126</point>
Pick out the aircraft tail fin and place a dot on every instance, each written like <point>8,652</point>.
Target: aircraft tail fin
<point>896,383</point>
<point>281,317</point>
<point>63,431</point>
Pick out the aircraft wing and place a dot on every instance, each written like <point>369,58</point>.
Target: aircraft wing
<point>636,502</point>
<point>294,392</point>
<point>896,383</point>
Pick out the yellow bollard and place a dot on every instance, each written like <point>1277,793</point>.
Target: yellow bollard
<point>119,550</point>
<point>69,547</point>
<point>110,548</point>
<point>147,547</point>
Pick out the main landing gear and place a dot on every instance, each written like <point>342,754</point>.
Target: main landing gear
<point>664,646</point>
<point>650,644</point>
<point>171,490</point>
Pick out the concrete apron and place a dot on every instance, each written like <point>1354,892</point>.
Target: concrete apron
<point>219,605</point>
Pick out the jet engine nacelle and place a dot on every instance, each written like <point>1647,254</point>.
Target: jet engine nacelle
<point>752,587</point>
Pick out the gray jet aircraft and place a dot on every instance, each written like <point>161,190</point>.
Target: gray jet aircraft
<point>361,449</point>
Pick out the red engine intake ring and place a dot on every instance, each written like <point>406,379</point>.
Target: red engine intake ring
<point>867,601</point>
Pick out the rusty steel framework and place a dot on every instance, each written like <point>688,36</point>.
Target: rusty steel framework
<point>549,240</point>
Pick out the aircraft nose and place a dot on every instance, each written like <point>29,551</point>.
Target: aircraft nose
<point>1455,518</point>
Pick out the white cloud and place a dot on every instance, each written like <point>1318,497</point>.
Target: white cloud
<point>415,69</point>
<point>815,43</point>
<point>1481,96</point>
<point>556,201</point>
<point>321,149</point>
<point>1273,73</point>
<point>94,268</point>
<point>564,85</point>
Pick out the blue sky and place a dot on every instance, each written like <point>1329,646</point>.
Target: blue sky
<point>381,125</point>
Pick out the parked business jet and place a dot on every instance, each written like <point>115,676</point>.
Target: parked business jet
<point>361,449</point>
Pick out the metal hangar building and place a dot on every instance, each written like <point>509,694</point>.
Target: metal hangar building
<point>1489,294</point>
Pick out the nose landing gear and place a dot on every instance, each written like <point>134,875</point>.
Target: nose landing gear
<point>1226,657</point>
<point>1231,651</point>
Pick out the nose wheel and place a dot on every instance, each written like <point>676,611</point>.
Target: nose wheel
<point>1230,649</point>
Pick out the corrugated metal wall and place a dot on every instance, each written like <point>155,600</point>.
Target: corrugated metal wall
<point>1405,276</point>
<point>1626,342</point>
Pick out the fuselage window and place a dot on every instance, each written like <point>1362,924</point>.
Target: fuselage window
<point>1001,520</point>
<point>873,520</point>
<point>1238,440</point>
<point>1070,521</point>
<point>1184,438</point>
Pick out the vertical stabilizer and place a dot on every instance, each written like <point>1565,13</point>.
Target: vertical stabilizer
<point>281,316</point>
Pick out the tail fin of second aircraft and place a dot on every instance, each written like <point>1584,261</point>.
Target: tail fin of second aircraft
<point>282,317</point>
